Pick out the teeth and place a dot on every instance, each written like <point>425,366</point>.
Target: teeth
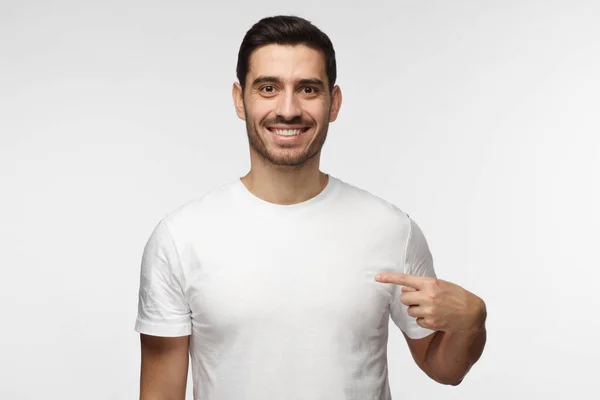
<point>287,132</point>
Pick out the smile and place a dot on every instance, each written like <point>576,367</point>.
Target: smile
<point>288,132</point>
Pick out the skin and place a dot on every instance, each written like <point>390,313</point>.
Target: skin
<point>164,367</point>
<point>287,86</point>
<point>458,317</point>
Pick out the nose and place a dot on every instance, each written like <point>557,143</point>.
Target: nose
<point>288,106</point>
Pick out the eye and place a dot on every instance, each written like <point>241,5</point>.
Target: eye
<point>309,90</point>
<point>267,89</point>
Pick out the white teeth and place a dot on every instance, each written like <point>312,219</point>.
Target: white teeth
<point>287,132</point>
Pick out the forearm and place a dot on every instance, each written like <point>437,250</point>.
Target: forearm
<point>451,355</point>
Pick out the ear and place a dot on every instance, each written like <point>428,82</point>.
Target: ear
<point>336,103</point>
<point>238,100</point>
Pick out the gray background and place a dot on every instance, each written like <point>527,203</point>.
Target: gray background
<point>478,118</point>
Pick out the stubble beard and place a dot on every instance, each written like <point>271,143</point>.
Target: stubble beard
<point>284,157</point>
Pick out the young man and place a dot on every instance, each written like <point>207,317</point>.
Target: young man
<point>280,284</point>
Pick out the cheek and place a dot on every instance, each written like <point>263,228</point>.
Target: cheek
<point>317,111</point>
<point>259,113</point>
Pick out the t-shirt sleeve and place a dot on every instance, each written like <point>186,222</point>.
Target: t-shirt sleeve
<point>418,261</point>
<point>162,306</point>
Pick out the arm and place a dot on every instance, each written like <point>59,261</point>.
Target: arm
<point>447,357</point>
<point>444,324</point>
<point>163,320</point>
<point>164,368</point>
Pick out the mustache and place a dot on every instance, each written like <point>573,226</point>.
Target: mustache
<point>282,121</point>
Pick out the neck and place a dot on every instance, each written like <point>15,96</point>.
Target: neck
<point>286,185</point>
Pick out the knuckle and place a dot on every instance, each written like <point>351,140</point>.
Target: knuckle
<point>434,282</point>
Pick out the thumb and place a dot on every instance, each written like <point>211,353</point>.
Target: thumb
<point>408,289</point>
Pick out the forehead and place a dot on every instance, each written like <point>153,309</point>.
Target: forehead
<point>287,62</point>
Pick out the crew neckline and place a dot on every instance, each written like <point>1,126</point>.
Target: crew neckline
<point>319,197</point>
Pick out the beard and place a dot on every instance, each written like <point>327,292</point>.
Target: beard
<point>290,156</point>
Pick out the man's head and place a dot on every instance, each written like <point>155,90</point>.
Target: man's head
<point>286,92</point>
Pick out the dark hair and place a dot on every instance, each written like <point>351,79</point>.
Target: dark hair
<point>285,30</point>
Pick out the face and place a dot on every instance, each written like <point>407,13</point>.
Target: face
<point>287,104</point>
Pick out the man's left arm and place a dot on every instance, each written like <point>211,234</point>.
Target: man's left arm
<point>444,324</point>
<point>447,356</point>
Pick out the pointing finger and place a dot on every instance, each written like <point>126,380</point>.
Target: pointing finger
<point>416,282</point>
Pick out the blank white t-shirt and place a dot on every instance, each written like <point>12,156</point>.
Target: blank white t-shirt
<point>281,300</point>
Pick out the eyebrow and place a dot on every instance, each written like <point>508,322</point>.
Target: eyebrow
<point>274,79</point>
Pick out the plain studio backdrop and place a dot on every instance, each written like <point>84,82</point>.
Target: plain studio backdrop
<point>478,118</point>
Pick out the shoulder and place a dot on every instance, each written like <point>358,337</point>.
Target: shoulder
<point>371,205</point>
<point>202,210</point>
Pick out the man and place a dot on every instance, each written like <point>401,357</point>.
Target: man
<point>280,284</point>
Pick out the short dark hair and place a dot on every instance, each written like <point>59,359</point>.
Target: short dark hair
<point>285,30</point>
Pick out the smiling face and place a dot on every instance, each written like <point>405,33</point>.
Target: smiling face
<point>287,104</point>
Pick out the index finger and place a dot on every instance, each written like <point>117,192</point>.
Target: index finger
<point>413,281</point>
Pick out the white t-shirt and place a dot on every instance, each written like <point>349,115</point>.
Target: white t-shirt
<point>281,300</point>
